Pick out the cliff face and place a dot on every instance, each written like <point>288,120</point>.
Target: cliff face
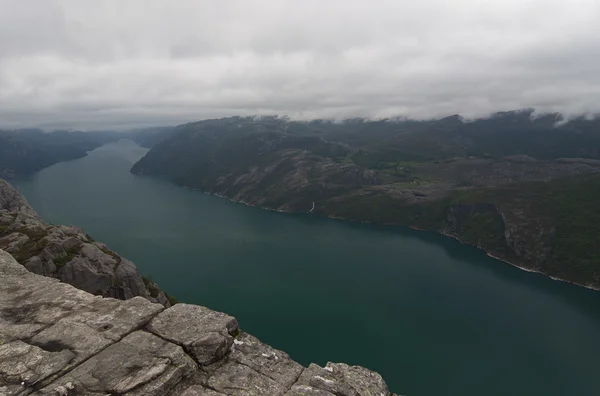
<point>261,168</point>
<point>549,227</point>
<point>504,184</point>
<point>68,253</point>
<point>56,340</point>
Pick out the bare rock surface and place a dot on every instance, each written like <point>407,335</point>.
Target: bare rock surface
<point>56,340</point>
<point>22,365</point>
<point>140,364</point>
<point>339,379</point>
<point>68,253</point>
<point>207,335</point>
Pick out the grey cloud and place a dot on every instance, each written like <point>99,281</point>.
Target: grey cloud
<point>89,64</point>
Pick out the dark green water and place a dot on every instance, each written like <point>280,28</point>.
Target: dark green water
<point>432,316</point>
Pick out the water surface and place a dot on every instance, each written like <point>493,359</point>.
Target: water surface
<point>434,317</point>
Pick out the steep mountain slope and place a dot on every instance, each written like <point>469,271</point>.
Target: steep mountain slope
<point>248,162</point>
<point>150,137</point>
<point>24,152</point>
<point>550,227</point>
<point>68,253</point>
<point>520,187</point>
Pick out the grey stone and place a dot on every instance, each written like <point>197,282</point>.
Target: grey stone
<point>93,253</point>
<point>11,200</point>
<point>68,253</point>
<point>87,275</point>
<point>254,368</point>
<point>65,341</point>
<point>54,249</point>
<point>73,231</point>
<point>9,268</point>
<point>35,265</point>
<point>364,381</point>
<point>234,378</point>
<point>139,364</point>
<point>195,383</point>
<point>198,390</point>
<point>30,302</point>
<point>71,243</point>
<point>13,242</point>
<point>307,390</point>
<point>23,365</point>
<point>130,284</point>
<point>339,379</point>
<point>260,357</point>
<point>207,335</point>
<point>96,326</point>
<point>59,318</point>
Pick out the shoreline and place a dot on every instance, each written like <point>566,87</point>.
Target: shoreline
<point>521,267</point>
<point>489,254</point>
<point>554,278</point>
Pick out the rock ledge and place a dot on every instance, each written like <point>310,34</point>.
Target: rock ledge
<point>56,340</point>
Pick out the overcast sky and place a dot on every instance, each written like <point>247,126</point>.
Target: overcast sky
<point>124,63</point>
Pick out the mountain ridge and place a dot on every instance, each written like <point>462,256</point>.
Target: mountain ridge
<point>26,151</point>
<point>487,183</point>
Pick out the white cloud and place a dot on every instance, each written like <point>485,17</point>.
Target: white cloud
<point>91,64</point>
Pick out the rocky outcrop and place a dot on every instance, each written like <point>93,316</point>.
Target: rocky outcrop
<point>56,340</point>
<point>68,253</point>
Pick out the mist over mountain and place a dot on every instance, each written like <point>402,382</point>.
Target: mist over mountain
<point>475,120</point>
<point>519,186</point>
<point>64,64</point>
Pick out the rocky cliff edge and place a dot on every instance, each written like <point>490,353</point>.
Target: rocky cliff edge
<point>68,253</point>
<point>61,341</point>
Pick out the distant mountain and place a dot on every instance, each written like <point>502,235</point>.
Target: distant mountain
<point>150,137</point>
<point>521,186</point>
<point>23,152</point>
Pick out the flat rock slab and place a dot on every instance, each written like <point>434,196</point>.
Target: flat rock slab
<point>56,340</point>
<point>205,334</point>
<point>23,366</point>
<point>198,390</point>
<point>95,326</point>
<point>260,357</point>
<point>236,379</point>
<point>140,364</point>
<point>29,303</point>
<point>339,379</point>
<point>52,319</point>
<point>251,368</point>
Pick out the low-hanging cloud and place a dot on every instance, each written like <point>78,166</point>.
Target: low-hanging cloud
<point>113,63</point>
